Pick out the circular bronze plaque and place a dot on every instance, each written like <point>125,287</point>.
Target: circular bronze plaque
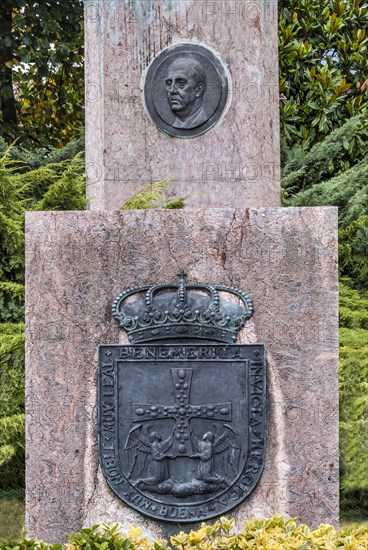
<point>186,90</point>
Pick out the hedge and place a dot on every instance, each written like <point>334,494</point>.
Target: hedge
<point>276,533</point>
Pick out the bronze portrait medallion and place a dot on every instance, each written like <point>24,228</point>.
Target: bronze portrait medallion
<point>186,90</point>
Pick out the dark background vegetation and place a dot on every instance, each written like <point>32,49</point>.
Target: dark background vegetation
<point>324,128</point>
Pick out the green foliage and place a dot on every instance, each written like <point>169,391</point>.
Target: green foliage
<point>28,544</point>
<point>11,517</point>
<point>276,533</point>
<point>11,369</point>
<point>11,302</point>
<point>348,191</point>
<point>110,538</point>
<point>11,405</point>
<point>11,429</point>
<point>11,235</point>
<point>329,175</point>
<point>323,66</point>
<point>41,70</point>
<point>67,191</point>
<point>156,195</point>
<point>344,148</point>
<point>353,306</point>
<point>354,393</point>
<point>12,450</point>
<point>34,158</point>
<point>353,250</point>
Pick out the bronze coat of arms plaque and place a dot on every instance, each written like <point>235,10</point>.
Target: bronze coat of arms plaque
<point>182,422</point>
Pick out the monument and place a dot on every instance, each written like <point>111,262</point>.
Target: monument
<point>181,364</point>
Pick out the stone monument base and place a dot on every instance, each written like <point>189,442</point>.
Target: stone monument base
<point>77,262</point>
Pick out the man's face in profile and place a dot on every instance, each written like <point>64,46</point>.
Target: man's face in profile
<point>183,89</point>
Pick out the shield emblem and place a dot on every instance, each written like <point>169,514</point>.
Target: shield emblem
<point>182,426</point>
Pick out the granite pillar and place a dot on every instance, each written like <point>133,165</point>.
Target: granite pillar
<point>235,163</point>
<point>77,262</point>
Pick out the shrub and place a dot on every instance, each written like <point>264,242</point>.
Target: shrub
<point>276,533</point>
<point>353,396</point>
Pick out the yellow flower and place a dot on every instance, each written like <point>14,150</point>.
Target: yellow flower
<point>181,538</point>
<point>197,536</point>
<point>134,532</point>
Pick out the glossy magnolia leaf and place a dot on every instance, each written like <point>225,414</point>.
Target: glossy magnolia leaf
<point>324,69</point>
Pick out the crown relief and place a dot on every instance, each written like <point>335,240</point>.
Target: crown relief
<point>182,310</point>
